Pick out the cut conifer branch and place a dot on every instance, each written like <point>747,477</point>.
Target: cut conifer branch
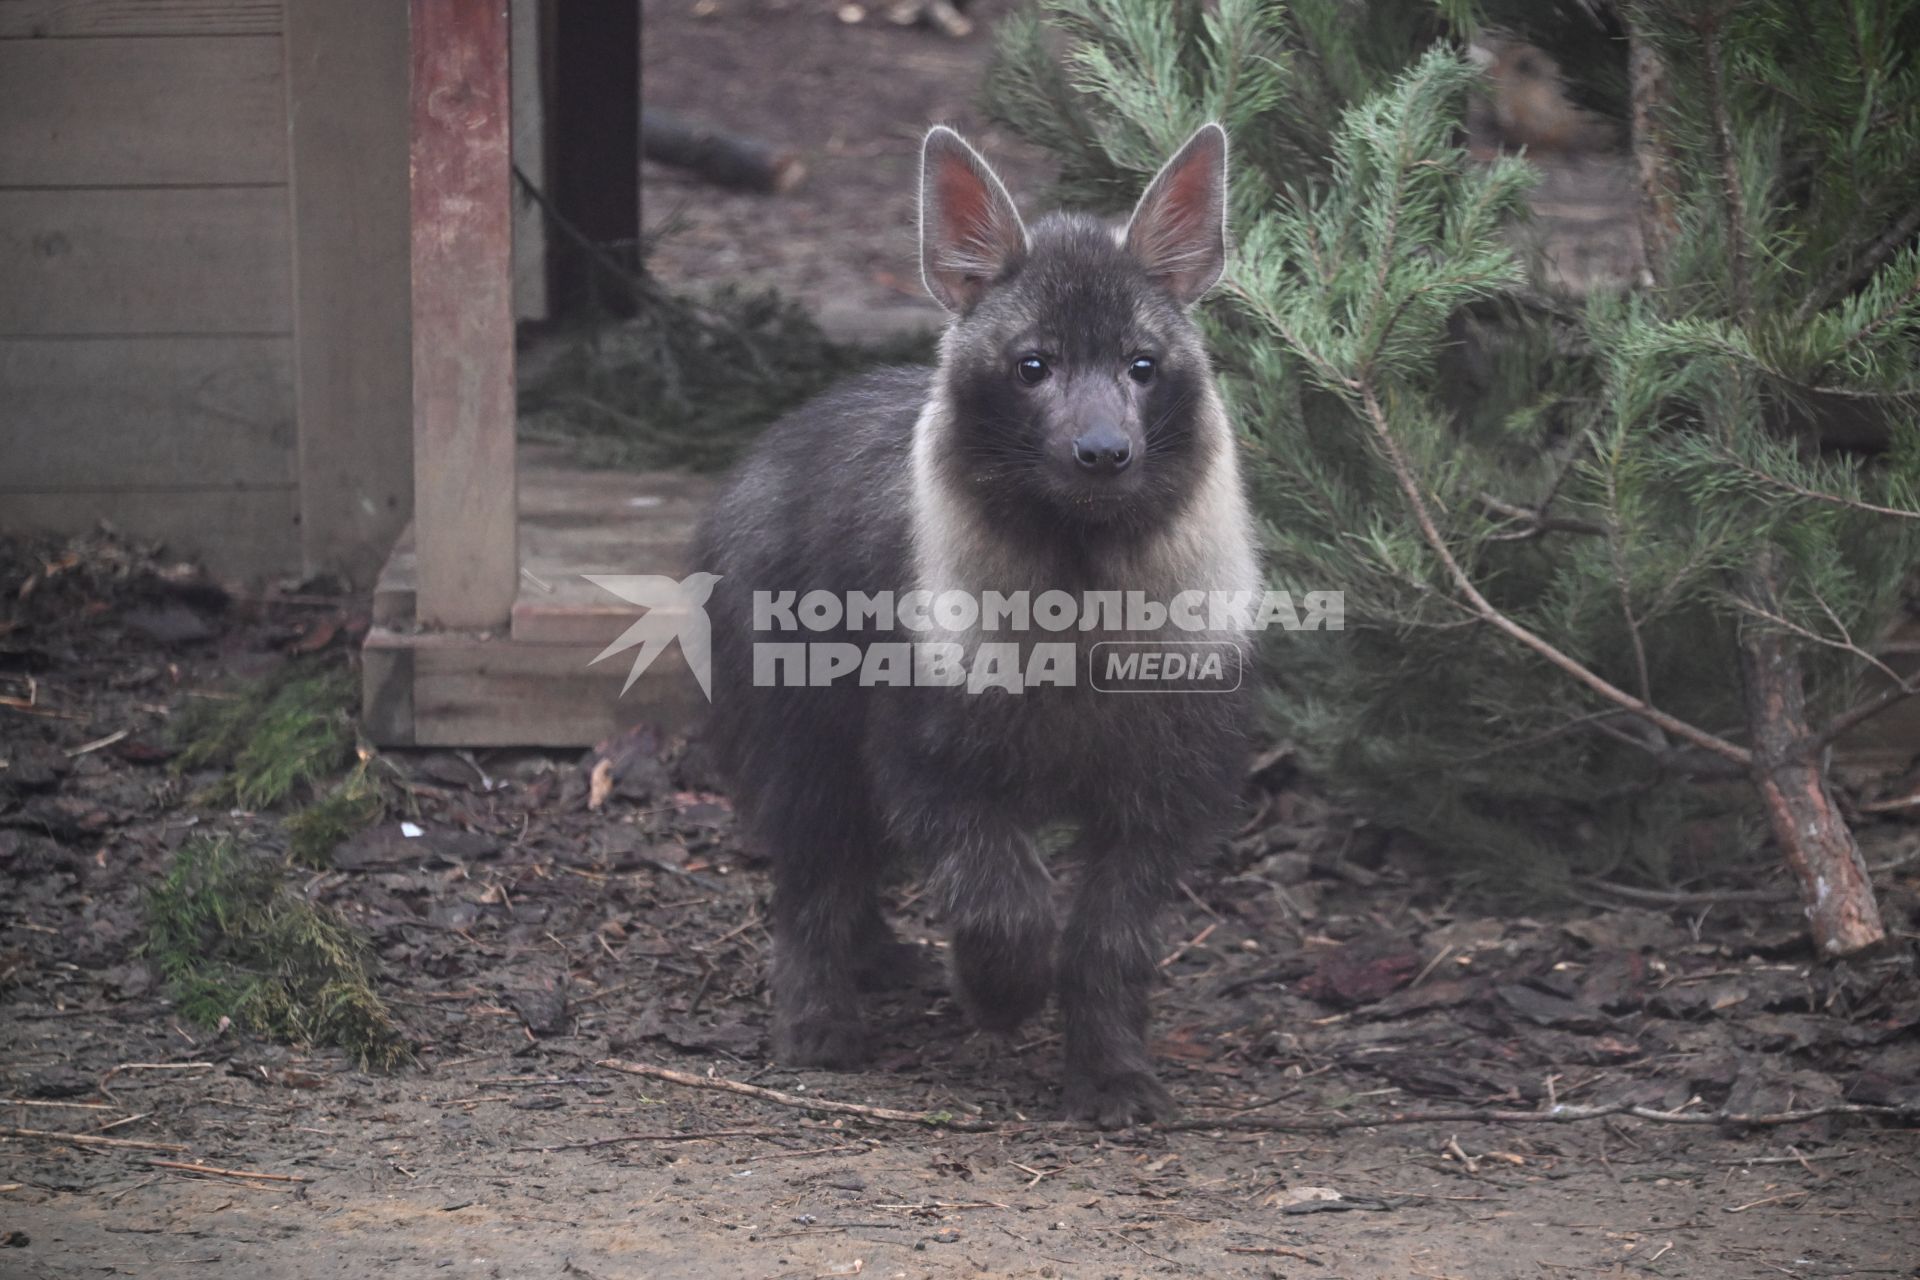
<point>1420,417</point>
<point>1499,621</point>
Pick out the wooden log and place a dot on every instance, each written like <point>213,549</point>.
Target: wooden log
<point>463,397</point>
<point>724,159</point>
<point>1813,835</point>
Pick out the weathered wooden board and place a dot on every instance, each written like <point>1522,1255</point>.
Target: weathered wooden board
<point>463,381</point>
<point>530,157</point>
<point>191,260</point>
<point>572,523</point>
<point>145,413</point>
<point>608,522</point>
<point>128,112</point>
<point>39,19</point>
<point>456,689</point>
<point>347,112</point>
<point>241,533</point>
<point>534,685</point>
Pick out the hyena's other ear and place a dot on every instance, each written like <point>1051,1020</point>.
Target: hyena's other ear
<point>969,229</point>
<point>1179,228</point>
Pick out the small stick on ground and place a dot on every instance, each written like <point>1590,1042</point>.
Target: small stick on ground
<point>226,1173</point>
<point>88,1139</point>
<point>591,1143</point>
<point>929,1119</point>
<point>1560,1114</point>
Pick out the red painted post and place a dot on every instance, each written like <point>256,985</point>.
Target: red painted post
<point>464,519</point>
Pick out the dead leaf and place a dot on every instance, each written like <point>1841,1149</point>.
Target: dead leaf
<point>599,784</point>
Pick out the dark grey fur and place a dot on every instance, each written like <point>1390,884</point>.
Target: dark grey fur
<point>837,781</point>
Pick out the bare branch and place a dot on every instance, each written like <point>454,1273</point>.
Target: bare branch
<point>1862,712</point>
<point>1845,644</point>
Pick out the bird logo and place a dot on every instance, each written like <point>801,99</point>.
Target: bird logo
<point>674,610</point>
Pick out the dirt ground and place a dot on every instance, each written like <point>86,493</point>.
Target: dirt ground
<point>1318,973</point>
<point>854,101</point>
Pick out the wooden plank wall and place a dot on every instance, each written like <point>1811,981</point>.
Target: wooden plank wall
<point>146,307</point>
<point>353,372</point>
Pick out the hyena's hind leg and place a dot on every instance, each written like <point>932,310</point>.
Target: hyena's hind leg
<point>827,856</point>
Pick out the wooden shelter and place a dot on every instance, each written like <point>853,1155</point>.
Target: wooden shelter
<point>258,294</point>
<point>260,266</point>
<point>203,275</point>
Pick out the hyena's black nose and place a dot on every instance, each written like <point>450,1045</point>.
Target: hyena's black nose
<point>1104,449</point>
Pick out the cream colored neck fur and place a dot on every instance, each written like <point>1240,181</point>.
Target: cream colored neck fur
<point>1209,547</point>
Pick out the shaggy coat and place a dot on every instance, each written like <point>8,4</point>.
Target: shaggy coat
<point>1071,439</point>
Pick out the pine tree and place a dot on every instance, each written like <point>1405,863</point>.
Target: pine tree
<point>1598,553</point>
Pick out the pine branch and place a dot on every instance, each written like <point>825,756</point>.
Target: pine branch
<point>1537,520</point>
<point>1844,279</point>
<point>1739,255</point>
<point>1815,495</point>
<point>1410,489</point>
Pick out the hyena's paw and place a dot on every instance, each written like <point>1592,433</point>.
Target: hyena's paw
<point>1003,978</point>
<point>836,1043</point>
<point>1116,1101</point>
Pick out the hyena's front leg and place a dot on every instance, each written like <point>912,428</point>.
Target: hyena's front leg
<point>1106,970</point>
<point>989,883</point>
<point>825,917</point>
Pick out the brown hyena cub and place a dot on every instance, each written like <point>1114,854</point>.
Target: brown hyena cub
<point>1070,440</point>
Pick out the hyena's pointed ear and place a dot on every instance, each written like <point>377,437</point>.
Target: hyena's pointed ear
<point>1179,228</point>
<point>969,230</point>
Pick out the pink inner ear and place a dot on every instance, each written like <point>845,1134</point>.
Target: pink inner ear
<point>1187,198</point>
<point>963,201</point>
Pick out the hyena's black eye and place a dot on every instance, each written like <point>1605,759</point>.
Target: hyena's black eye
<point>1141,370</point>
<point>1032,369</point>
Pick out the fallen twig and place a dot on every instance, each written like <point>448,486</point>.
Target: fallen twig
<point>226,1173</point>
<point>1686,898</point>
<point>1560,1114</point>
<point>1557,1114</point>
<point>591,1143</point>
<point>87,748</point>
<point>88,1140</point>
<point>929,1119</point>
